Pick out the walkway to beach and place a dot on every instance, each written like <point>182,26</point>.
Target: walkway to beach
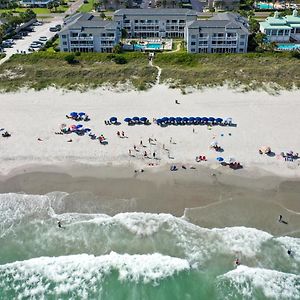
<point>158,68</point>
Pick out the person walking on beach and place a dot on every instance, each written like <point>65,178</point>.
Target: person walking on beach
<point>280,219</point>
<point>145,154</point>
<point>123,134</point>
<point>171,140</point>
<point>141,143</point>
<point>153,154</point>
<point>129,152</point>
<point>118,133</point>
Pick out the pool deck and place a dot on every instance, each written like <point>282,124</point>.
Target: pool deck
<point>142,44</point>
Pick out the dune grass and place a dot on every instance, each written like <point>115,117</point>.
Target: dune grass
<point>44,69</point>
<point>252,70</point>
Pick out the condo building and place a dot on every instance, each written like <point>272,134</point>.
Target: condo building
<point>223,33</point>
<point>87,33</point>
<point>151,22</point>
<point>282,29</point>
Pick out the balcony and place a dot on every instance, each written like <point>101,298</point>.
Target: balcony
<point>81,38</point>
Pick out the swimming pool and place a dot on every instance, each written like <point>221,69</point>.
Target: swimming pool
<point>288,47</point>
<point>264,6</point>
<point>155,46</point>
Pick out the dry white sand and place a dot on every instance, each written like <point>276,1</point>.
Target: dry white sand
<point>261,119</point>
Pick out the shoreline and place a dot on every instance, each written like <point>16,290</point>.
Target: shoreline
<point>223,200</point>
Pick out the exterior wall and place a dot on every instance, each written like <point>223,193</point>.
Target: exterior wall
<point>277,35</point>
<point>91,40</point>
<point>216,40</point>
<point>154,26</point>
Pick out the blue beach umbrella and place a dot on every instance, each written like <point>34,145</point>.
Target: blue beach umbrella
<point>73,114</point>
<point>81,114</point>
<point>158,121</point>
<point>79,126</point>
<point>211,119</point>
<point>113,119</point>
<point>219,120</point>
<point>87,129</point>
<point>127,120</point>
<point>185,119</point>
<point>178,119</point>
<point>165,119</point>
<point>219,158</point>
<point>191,119</point>
<point>172,119</point>
<point>204,119</point>
<point>143,119</point>
<point>136,119</point>
<point>198,119</point>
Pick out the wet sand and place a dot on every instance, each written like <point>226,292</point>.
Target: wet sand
<point>206,197</point>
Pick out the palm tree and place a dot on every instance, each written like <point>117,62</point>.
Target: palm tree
<point>50,6</point>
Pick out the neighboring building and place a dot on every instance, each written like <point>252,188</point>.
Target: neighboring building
<point>282,29</point>
<point>35,3</point>
<point>87,33</point>
<point>152,22</point>
<point>223,33</point>
<point>223,4</point>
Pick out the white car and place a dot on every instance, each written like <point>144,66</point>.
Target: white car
<point>43,39</point>
<point>35,46</point>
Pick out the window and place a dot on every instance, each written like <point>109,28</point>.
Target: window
<point>280,32</point>
<point>203,35</point>
<point>193,36</point>
<point>64,43</point>
<point>242,36</point>
<point>174,21</point>
<point>241,50</point>
<point>193,43</point>
<point>64,36</point>
<point>181,21</point>
<point>242,43</point>
<point>193,50</point>
<point>65,50</point>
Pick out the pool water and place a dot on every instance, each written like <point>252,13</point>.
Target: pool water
<point>288,47</point>
<point>153,46</point>
<point>265,6</point>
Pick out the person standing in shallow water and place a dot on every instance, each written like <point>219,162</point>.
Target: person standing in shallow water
<point>59,224</point>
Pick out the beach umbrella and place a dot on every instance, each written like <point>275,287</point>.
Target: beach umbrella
<point>178,119</point>
<point>73,127</point>
<point>165,119</point>
<point>81,114</point>
<point>191,119</point>
<point>113,119</point>
<point>211,119</point>
<point>265,149</point>
<point>73,114</point>
<point>127,120</point>
<point>219,158</point>
<point>62,126</point>
<point>136,119</point>
<point>185,119</point>
<point>214,143</point>
<point>172,119</point>
<point>79,126</point>
<point>219,120</point>
<point>87,129</point>
<point>198,119</point>
<point>143,119</point>
<point>204,119</point>
<point>158,121</point>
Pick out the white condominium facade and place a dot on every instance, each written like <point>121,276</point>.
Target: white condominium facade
<point>162,23</point>
<point>87,33</point>
<point>223,33</point>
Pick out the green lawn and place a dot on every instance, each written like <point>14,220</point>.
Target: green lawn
<point>38,11</point>
<point>87,7</point>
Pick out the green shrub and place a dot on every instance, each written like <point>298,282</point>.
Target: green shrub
<point>70,58</point>
<point>295,54</point>
<point>120,60</point>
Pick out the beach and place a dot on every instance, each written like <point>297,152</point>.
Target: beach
<point>131,227</point>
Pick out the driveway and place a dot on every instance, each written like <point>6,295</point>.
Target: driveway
<point>23,44</point>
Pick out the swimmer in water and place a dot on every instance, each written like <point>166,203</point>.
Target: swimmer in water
<point>59,224</point>
<point>237,262</point>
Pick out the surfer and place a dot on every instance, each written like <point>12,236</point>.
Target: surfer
<point>237,262</point>
<point>59,224</point>
<point>289,252</point>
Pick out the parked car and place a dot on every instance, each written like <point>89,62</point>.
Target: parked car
<point>37,42</point>
<point>37,23</point>
<point>17,37</point>
<point>53,29</point>
<point>58,26</point>
<point>35,46</point>
<point>43,39</point>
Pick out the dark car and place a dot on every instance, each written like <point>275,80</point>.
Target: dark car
<point>58,27</point>
<point>17,37</point>
<point>53,29</point>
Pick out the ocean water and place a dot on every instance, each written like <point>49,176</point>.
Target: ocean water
<point>135,256</point>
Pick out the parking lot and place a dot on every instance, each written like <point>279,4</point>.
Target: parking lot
<point>21,45</point>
